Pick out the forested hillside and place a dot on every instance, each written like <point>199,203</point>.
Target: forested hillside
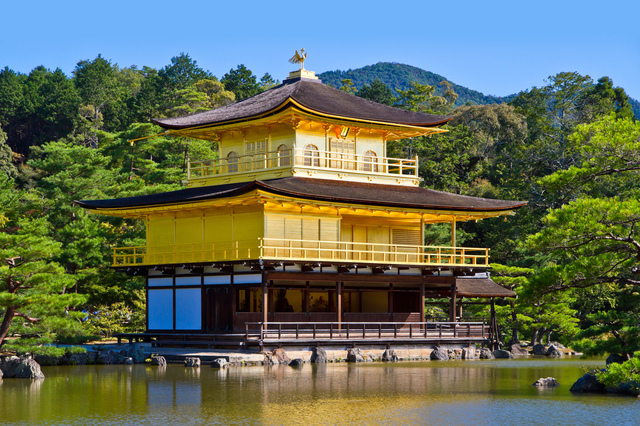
<point>571,148</point>
<point>399,76</point>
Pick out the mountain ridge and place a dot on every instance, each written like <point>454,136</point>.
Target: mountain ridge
<point>397,76</point>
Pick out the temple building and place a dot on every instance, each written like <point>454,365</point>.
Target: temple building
<point>303,230</point>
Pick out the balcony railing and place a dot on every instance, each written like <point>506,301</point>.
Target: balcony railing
<point>304,158</point>
<point>289,249</point>
<point>302,250</point>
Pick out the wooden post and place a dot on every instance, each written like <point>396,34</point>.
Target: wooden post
<point>265,304</point>
<point>339,304</point>
<point>453,232</point>
<point>390,301</point>
<point>422,314</point>
<point>306,299</point>
<point>233,301</point>
<point>452,302</point>
<point>492,326</point>
<point>460,308</point>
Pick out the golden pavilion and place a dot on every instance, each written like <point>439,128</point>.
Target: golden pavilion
<point>303,231</point>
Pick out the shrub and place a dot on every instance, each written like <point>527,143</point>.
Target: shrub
<point>622,375</point>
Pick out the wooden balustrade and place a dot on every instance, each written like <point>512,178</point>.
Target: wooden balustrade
<point>274,332</point>
<point>300,157</point>
<point>303,250</point>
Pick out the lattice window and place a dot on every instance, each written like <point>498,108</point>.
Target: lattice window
<point>406,236</point>
<point>284,155</point>
<point>370,160</point>
<point>258,147</point>
<point>311,156</point>
<point>343,154</point>
<point>232,162</point>
<point>257,150</point>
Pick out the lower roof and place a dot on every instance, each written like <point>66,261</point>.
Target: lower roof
<point>481,287</point>
<point>319,190</point>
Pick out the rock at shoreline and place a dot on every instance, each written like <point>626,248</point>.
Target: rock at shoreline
<point>546,382</point>
<point>588,383</point>
<point>104,357</point>
<point>485,353</point>
<point>354,355</point>
<point>270,360</point>
<point>296,362</point>
<point>119,356</point>
<point>219,363</point>
<point>616,359</point>
<point>128,360</point>
<point>518,350</point>
<point>501,353</point>
<point>281,356</point>
<point>160,361</point>
<point>20,368</point>
<point>469,352</point>
<point>192,362</point>
<point>439,354</point>
<point>78,359</point>
<point>319,356</point>
<point>137,353</point>
<point>539,349</point>
<point>554,352</point>
<point>389,355</point>
<point>48,360</point>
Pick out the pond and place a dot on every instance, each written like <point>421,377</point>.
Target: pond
<point>450,392</point>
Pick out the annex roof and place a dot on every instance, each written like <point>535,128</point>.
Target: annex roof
<point>313,96</point>
<point>481,287</point>
<point>320,190</point>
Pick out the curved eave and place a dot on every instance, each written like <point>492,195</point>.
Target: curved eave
<point>236,194</point>
<point>368,203</point>
<point>289,103</point>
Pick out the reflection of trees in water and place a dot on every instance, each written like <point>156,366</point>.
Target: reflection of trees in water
<point>330,393</point>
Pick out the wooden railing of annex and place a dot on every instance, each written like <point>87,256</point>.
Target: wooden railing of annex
<point>365,331</point>
<point>313,159</point>
<point>302,250</point>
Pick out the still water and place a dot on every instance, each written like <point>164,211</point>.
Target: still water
<point>452,392</point>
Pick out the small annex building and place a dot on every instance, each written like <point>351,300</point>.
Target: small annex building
<point>303,230</point>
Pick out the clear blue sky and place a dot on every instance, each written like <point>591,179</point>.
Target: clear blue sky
<point>496,47</point>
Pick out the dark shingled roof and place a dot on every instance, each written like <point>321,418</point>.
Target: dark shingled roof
<point>481,287</point>
<point>320,190</point>
<point>314,96</point>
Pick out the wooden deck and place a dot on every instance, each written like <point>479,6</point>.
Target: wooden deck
<point>259,334</point>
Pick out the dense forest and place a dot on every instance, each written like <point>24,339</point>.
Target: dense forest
<point>571,148</point>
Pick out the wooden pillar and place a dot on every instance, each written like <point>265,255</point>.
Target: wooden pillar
<point>390,301</point>
<point>460,308</point>
<point>422,315</point>
<point>452,303</point>
<point>265,303</point>
<point>339,302</point>
<point>492,326</point>
<point>453,232</point>
<point>233,301</point>
<point>306,300</point>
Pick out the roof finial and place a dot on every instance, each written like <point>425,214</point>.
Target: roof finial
<point>299,58</point>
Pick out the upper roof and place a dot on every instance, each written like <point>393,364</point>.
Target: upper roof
<point>312,96</point>
<point>320,190</point>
